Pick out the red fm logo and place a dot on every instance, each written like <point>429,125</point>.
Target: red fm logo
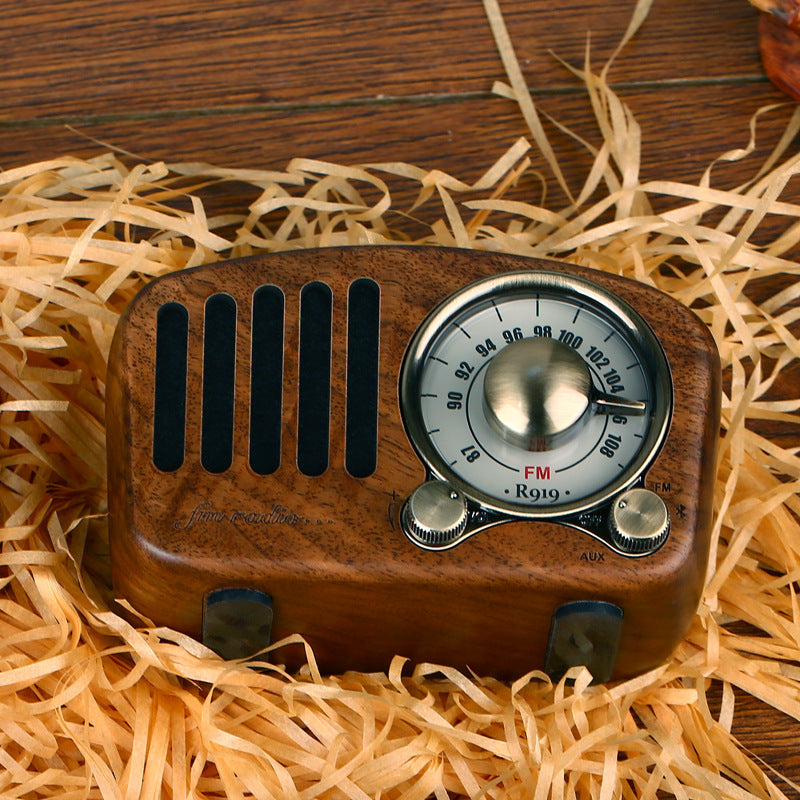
<point>539,473</point>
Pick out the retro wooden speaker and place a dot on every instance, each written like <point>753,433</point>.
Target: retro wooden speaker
<point>475,459</point>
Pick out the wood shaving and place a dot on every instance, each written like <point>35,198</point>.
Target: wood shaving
<point>92,705</point>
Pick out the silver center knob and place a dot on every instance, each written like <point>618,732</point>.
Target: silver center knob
<point>536,393</point>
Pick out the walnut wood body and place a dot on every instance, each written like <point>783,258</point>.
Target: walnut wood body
<point>340,571</point>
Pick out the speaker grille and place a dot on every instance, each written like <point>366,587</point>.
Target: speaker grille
<point>266,381</point>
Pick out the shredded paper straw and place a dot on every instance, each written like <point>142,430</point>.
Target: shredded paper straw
<point>94,706</point>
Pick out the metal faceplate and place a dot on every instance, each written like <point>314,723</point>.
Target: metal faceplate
<point>534,395</point>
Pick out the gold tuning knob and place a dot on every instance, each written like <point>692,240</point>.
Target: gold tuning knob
<point>638,521</point>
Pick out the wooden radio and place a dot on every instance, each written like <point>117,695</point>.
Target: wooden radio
<point>466,458</point>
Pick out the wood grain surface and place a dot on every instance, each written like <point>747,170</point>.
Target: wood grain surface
<point>241,83</point>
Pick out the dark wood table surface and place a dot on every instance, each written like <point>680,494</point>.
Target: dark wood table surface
<point>241,83</point>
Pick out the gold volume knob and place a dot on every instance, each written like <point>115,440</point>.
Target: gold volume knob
<point>435,515</point>
<point>638,521</point>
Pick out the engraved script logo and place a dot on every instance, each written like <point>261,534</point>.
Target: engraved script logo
<point>205,511</point>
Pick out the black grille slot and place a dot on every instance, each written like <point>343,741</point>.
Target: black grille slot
<point>314,378</point>
<point>169,412</point>
<point>266,380</point>
<point>219,373</point>
<point>363,339</point>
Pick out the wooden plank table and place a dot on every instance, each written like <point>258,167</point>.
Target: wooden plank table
<point>252,84</point>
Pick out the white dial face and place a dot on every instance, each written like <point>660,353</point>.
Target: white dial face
<point>604,450</point>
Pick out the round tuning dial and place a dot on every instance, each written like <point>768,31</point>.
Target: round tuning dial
<point>534,395</point>
<point>435,515</point>
<point>639,521</point>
